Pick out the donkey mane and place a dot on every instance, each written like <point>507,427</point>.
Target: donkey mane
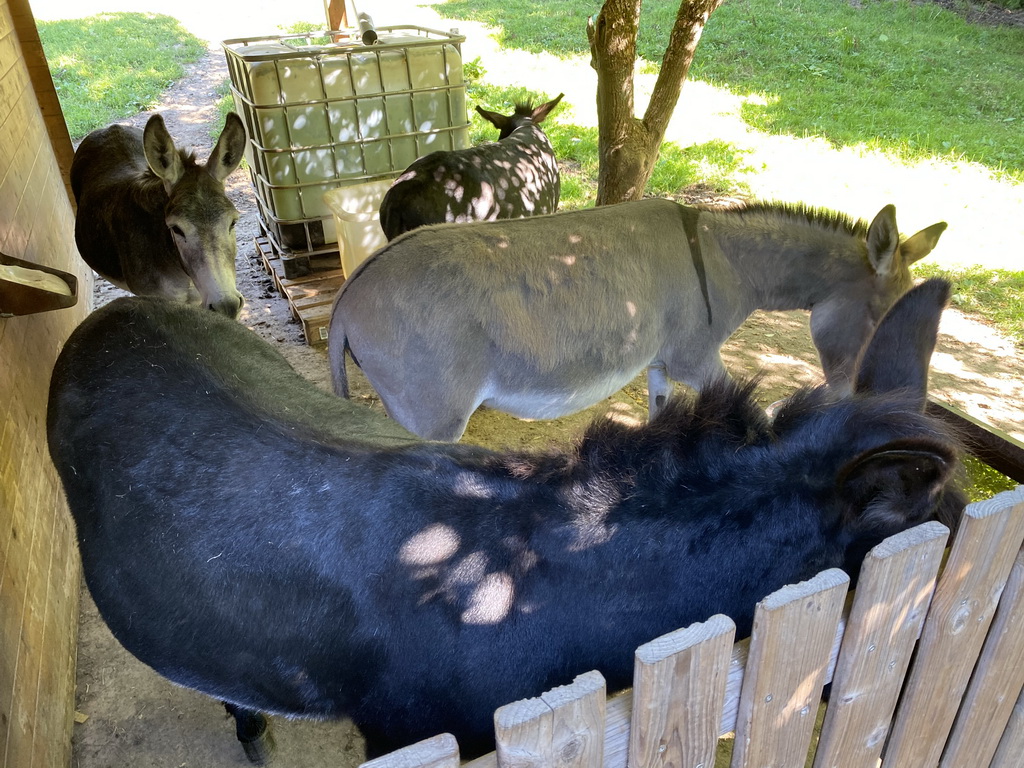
<point>524,108</point>
<point>802,213</point>
<point>694,431</point>
<point>724,412</point>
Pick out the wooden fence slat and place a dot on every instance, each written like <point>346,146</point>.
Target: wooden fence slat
<point>678,695</point>
<point>1010,753</point>
<point>564,728</point>
<point>996,683</point>
<point>965,599</point>
<point>790,646</point>
<point>438,752</point>
<point>894,589</point>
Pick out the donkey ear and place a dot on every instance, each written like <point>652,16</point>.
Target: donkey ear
<point>896,485</point>
<point>921,244</point>
<point>544,110</point>
<point>900,349</point>
<point>498,121</point>
<point>227,155</point>
<point>883,240</point>
<point>161,154</point>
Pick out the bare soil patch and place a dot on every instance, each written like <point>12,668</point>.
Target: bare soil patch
<point>991,14</point>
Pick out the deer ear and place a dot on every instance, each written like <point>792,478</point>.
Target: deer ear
<point>900,350</point>
<point>497,120</point>
<point>883,240</point>
<point>894,486</point>
<point>544,110</point>
<point>161,154</point>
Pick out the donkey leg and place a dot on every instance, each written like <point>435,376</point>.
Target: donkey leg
<point>659,387</point>
<point>253,731</point>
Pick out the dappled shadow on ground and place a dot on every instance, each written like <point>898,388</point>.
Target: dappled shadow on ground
<point>973,367</point>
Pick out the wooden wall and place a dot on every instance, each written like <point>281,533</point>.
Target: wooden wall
<point>39,569</point>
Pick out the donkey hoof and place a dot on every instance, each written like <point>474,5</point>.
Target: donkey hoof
<point>253,732</point>
<point>260,747</point>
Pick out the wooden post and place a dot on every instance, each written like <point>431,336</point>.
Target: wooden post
<point>1011,746</point>
<point>894,590</point>
<point>439,752</point>
<point>337,14</point>
<point>996,448</point>
<point>790,646</point>
<point>965,600</point>
<point>46,93</point>
<point>564,728</point>
<point>678,695</point>
<point>997,681</point>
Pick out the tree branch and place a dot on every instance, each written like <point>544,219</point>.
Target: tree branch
<point>675,66</point>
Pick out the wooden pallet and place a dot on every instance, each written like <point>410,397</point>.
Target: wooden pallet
<point>309,297</point>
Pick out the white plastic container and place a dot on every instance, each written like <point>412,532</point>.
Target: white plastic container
<point>356,209</point>
<point>322,116</point>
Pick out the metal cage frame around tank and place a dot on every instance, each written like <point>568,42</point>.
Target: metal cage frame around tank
<point>293,212</point>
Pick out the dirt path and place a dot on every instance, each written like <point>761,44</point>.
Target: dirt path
<point>137,719</point>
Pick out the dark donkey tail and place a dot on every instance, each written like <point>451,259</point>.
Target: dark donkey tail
<point>337,346</point>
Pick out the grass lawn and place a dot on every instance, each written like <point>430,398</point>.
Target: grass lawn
<point>909,78</point>
<point>110,66</point>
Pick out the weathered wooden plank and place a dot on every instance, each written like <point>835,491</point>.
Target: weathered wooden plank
<point>965,600</point>
<point>563,728</point>
<point>997,681</point>
<point>790,645</point>
<point>1001,451</point>
<point>45,92</point>
<point>438,752</point>
<point>678,695</point>
<point>1010,753</point>
<point>894,589</point>
<point>319,302</point>
<point>315,326</point>
<point>620,707</point>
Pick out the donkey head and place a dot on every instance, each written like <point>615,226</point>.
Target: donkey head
<point>525,114</point>
<point>906,479</point>
<point>199,216</point>
<point>842,323</point>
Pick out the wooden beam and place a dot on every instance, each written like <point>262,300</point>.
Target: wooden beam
<point>337,13</point>
<point>46,93</point>
<point>996,448</point>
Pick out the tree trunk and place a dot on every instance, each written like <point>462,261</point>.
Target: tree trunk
<point>628,146</point>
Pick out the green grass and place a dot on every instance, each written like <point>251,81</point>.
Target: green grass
<point>911,79</point>
<point>716,165</point>
<point>982,481</point>
<point>995,296</point>
<point>113,65</point>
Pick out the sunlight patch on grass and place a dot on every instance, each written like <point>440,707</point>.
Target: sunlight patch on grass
<point>996,296</point>
<point>715,165</point>
<point>109,66</point>
<point>911,79</point>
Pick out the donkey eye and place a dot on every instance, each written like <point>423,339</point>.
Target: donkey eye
<point>176,230</point>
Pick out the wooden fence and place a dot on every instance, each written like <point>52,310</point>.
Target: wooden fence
<point>925,658</point>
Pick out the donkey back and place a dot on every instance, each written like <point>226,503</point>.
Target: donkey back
<point>513,177</point>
